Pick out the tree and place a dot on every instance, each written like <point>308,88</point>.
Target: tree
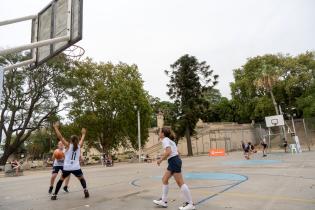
<point>189,81</point>
<point>106,98</point>
<point>219,109</point>
<point>269,80</point>
<point>39,143</point>
<point>29,99</point>
<point>154,103</point>
<point>306,102</point>
<point>166,107</point>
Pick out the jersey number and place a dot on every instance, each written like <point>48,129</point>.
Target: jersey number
<point>74,154</point>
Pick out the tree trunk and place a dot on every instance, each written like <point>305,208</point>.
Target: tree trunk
<point>282,132</point>
<point>5,156</point>
<point>189,146</point>
<point>274,102</point>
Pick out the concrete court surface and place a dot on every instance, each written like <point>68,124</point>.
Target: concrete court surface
<point>279,181</point>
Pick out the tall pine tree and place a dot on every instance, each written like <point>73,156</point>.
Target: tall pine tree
<point>190,80</point>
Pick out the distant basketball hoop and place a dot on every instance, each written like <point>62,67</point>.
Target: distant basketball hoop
<point>273,121</point>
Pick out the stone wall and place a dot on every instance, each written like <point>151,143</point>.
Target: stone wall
<point>209,135</point>
<point>228,136</point>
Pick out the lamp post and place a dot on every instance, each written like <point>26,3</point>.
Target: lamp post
<point>139,135</point>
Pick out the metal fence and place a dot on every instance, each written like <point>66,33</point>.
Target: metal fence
<point>230,138</point>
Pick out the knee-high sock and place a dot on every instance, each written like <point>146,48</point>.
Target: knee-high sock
<point>186,193</point>
<point>83,183</point>
<point>164,192</point>
<point>58,186</point>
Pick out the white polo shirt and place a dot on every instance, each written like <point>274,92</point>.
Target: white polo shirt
<point>166,142</point>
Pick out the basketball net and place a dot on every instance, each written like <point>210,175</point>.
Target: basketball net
<point>74,53</point>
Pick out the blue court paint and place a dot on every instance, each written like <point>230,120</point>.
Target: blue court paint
<point>239,179</point>
<point>251,162</point>
<point>211,176</point>
<point>214,176</point>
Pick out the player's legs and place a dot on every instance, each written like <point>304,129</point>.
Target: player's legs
<point>65,174</point>
<point>163,201</point>
<point>54,174</point>
<point>188,205</point>
<point>65,188</point>
<point>79,175</point>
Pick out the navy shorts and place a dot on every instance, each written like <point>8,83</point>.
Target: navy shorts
<point>174,165</point>
<point>56,169</point>
<point>77,173</point>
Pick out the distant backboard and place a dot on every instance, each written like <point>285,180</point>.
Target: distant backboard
<point>58,19</point>
<point>276,120</point>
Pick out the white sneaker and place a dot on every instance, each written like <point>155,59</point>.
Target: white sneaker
<point>160,203</point>
<point>187,206</point>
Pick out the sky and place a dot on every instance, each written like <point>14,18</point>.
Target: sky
<point>154,33</point>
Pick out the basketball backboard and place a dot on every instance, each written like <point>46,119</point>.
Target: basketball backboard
<point>54,29</point>
<point>59,18</point>
<point>276,120</point>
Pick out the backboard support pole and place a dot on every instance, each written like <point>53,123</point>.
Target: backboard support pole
<point>16,20</point>
<point>34,45</point>
<point>23,63</point>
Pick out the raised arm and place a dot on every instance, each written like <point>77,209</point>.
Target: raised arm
<point>59,135</point>
<point>83,133</point>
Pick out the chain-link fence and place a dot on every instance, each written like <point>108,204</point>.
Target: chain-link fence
<point>303,128</point>
<point>229,136</point>
<point>226,136</point>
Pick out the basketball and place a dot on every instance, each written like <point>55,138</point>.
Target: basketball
<point>58,154</point>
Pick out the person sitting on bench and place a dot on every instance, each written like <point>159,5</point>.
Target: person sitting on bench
<point>16,166</point>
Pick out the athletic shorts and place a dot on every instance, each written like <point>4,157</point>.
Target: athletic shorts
<point>174,165</point>
<point>264,145</point>
<point>56,169</point>
<point>77,173</point>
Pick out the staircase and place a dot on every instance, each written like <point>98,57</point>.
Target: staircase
<point>153,150</point>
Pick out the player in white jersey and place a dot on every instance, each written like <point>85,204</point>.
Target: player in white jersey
<point>58,166</point>
<point>173,169</point>
<point>72,160</point>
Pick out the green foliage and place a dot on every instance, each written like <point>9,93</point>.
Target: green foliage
<point>30,98</point>
<point>105,101</point>
<point>270,80</point>
<point>166,107</point>
<point>219,109</point>
<point>39,144</point>
<point>306,102</point>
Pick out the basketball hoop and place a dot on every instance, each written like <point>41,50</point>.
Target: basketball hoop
<point>74,52</point>
<point>274,122</point>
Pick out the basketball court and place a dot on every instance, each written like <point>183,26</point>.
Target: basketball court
<point>280,181</point>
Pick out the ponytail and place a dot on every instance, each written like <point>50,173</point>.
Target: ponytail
<point>168,133</point>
